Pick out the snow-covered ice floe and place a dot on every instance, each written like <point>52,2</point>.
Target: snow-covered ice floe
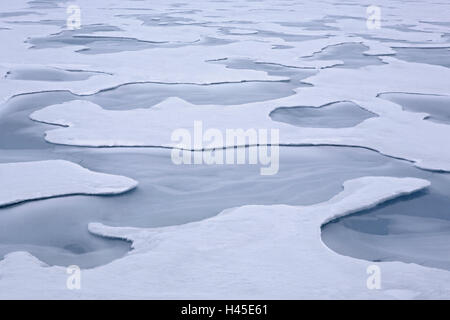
<point>23,181</point>
<point>394,132</point>
<point>250,251</point>
<point>246,252</point>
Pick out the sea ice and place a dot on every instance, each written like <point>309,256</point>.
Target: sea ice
<point>267,251</point>
<point>25,181</point>
<point>253,251</point>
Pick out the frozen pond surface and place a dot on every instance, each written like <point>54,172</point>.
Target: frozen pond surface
<point>288,37</point>
<point>170,195</point>
<point>153,19</point>
<point>144,95</point>
<point>55,230</point>
<point>14,114</point>
<point>351,54</point>
<point>335,115</point>
<point>94,44</point>
<point>437,56</point>
<point>412,229</point>
<point>438,107</point>
<point>16,14</point>
<point>296,75</point>
<point>48,74</point>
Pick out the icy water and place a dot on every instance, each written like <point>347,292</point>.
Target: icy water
<point>14,115</point>
<point>48,74</point>
<point>335,115</point>
<point>437,107</point>
<point>351,54</point>
<point>95,44</point>
<point>411,229</point>
<point>437,56</point>
<point>55,230</point>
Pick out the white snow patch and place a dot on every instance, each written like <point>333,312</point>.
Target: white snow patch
<point>23,181</point>
<point>395,132</point>
<point>253,252</point>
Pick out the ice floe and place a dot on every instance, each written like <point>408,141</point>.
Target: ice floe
<point>436,106</point>
<point>243,252</point>
<point>123,29</point>
<point>172,195</point>
<point>32,73</point>
<point>394,132</point>
<point>35,180</point>
<point>334,115</point>
<point>247,252</point>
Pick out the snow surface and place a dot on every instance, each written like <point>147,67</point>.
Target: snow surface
<point>248,252</point>
<point>251,251</point>
<point>205,19</point>
<point>395,132</point>
<point>23,181</point>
